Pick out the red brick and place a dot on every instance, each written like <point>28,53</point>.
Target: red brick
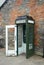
<point>13,15</point>
<point>31,3</point>
<point>0,16</point>
<point>36,11</point>
<point>18,2</point>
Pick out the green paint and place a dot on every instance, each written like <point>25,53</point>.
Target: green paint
<point>28,36</point>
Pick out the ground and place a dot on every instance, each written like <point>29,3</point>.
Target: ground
<point>20,60</point>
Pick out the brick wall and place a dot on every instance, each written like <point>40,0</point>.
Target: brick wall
<point>14,8</point>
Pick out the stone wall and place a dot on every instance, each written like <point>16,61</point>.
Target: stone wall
<point>14,8</point>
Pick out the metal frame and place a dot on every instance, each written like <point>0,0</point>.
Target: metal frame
<point>11,52</point>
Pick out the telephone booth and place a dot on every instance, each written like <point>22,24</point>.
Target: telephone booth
<point>25,35</point>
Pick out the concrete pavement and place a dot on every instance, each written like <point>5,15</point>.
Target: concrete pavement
<point>20,60</point>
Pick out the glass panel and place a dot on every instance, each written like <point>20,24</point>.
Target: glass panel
<point>24,33</point>
<point>20,35</point>
<point>11,39</point>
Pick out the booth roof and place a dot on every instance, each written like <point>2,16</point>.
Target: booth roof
<point>24,17</point>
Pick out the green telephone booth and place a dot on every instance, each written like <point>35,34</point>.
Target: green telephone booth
<point>25,35</point>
